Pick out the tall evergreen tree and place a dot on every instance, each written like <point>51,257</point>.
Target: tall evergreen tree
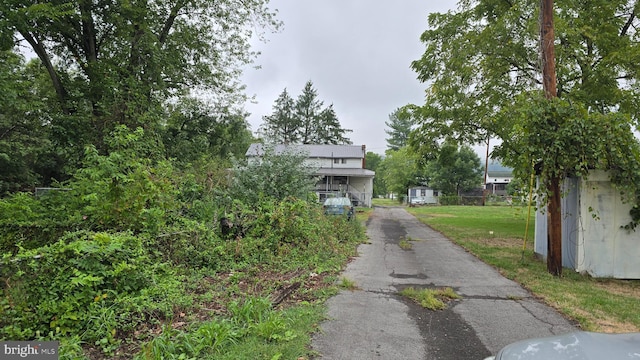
<point>282,125</point>
<point>399,124</point>
<point>328,128</point>
<point>304,121</point>
<point>308,109</point>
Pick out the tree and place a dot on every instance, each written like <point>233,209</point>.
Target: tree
<point>465,96</point>
<point>399,124</point>
<point>455,170</point>
<point>195,130</point>
<point>372,162</point>
<point>476,88</point>
<point>400,170</point>
<point>304,121</point>
<point>117,60</point>
<point>23,141</point>
<point>328,129</point>
<point>282,126</point>
<point>308,109</point>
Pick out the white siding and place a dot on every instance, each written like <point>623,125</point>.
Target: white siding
<point>594,240</point>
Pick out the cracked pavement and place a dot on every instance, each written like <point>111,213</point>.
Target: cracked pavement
<point>375,322</point>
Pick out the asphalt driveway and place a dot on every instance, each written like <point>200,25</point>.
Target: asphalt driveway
<point>375,322</point>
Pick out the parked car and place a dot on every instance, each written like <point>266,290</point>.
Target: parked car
<point>339,206</point>
<point>576,345</point>
<point>418,200</point>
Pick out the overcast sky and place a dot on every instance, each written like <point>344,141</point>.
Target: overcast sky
<point>357,53</point>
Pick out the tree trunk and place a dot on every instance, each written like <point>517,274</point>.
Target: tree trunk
<point>554,223</point>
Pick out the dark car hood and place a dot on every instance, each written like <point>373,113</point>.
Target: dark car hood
<point>577,345</point>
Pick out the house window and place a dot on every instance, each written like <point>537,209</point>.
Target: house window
<point>344,161</point>
<point>336,161</point>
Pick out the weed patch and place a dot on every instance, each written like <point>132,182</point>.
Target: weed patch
<point>405,244</point>
<point>432,299</point>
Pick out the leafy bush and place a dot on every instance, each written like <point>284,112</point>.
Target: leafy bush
<point>277,175</point>
<point>107,259</point>
<point>449,200</point>
<point>124,190</point>
<point>27,222</point>
<point>89,277</point>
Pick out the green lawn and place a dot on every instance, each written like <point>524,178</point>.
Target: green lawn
<point>496,235</point>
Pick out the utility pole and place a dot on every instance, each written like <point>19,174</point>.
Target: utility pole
<point>486,173</point>
<point>554,218</point>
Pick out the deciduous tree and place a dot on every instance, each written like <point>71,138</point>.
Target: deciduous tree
<point>119,59</point>
<point>400,170</point>
<point>477,89</point>
<point>195,130</point>
<point>372,162</point>
<point>455,170</point>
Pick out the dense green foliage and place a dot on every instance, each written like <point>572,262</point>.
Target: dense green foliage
<point>98,65</point>
<point>400,170</point>
<point>372,162</point>
<point>455,170</point>
<point>25,148</point>
<point>146,242</point>
<point>303,121</point>
<point>128,245</point>
<point>477,90</point>
<point>274,175</point>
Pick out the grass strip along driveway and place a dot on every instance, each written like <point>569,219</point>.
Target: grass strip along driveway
<point>495,234</point>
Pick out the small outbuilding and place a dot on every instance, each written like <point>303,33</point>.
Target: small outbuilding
<point>594,240</point>
<point>425,194</point>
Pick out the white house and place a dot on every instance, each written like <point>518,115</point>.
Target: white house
<point>594,240</point>
<point>341,169</point>
<point>498,177</point>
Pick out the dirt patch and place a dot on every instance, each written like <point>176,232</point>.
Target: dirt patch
<point>607,325</point>
<point>499,242</point>
<point>621,287</point>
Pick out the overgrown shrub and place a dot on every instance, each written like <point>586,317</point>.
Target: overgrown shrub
<point>85,285</point>
<point>277,175</point>
<point>449,200</point>
<point>108,257</point>
<point>27,222</point>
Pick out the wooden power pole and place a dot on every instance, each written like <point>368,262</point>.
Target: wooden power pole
<point>554,218</point>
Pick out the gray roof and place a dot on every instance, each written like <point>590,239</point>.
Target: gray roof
<point>313,151</point>
<point>345,172</point>
<point>496,169</point>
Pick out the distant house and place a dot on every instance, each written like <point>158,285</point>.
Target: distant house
<point>340,168</point>
<point>498,177</point>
